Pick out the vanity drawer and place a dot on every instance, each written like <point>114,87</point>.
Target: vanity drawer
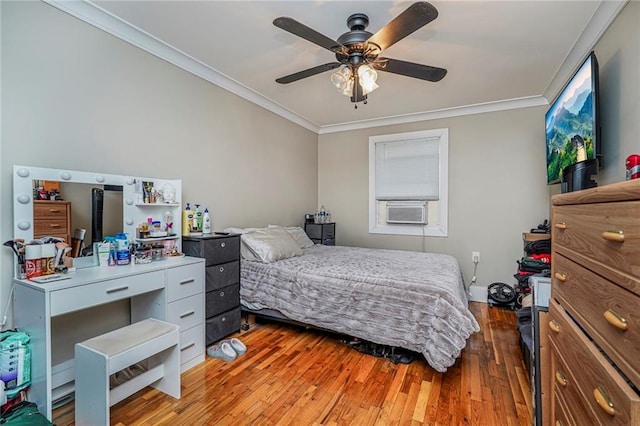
<point>83,296</point>
<point>593,375</point>
<point>608,231</point>
<point>191,343</point>
<point>187,312</point>
<point>220,300</point>
<point>218,276</point>
<point>607,312</point>
<point>185,281</point>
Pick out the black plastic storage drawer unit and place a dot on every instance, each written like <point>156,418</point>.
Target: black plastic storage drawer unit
<point>321,233</point>
<point>222,281</point>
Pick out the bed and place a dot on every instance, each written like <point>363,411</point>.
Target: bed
<point>412,300</point>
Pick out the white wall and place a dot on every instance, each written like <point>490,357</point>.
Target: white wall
<point>74,97</point>
<point>497,188</point>
<point>618,53</point>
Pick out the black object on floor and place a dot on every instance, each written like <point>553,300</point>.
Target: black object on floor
<point>393,354</point>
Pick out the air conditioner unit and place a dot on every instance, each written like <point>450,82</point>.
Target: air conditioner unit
<point>408,212</point>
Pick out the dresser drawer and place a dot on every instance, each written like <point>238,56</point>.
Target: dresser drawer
<point>223,299</point>
<point>607,312</point>
<point>50,210</point>
<point>591,230</point>
<point>83,296</point>
<point>594,377</point>
<point>222,325</point>
<point>185,281</point>
<point>187,312</point>
<point>561,412</point>
<point>218,276</point>
<point>49,226</point>
<point>566,389</point>
<point>222,250</point>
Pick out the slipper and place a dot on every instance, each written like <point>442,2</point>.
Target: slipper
<point>223,351</point>
<point>237,346</point>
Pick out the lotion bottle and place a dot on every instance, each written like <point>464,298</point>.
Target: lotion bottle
<point>206,222</point>
<point>187,220</point>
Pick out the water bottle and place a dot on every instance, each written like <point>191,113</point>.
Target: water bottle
<point>323,214</point>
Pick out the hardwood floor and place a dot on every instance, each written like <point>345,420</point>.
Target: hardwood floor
<point>292,376</point>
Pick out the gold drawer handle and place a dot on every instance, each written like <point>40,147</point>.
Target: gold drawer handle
<point>54,225</point>
<point>54,210</point>
<point>615,319</point>
<point>615,236</point>
<point>561,225</point>
<point>560,276</point>
<point>561,378</point>
<point>603,401</point>
<point>553,325</point>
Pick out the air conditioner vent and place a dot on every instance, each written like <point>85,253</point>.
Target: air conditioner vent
<point>407,212</point>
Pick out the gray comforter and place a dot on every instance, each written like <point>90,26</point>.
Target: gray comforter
<point>412,300</point>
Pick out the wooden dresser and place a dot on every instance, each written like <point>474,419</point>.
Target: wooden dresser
<point>52,218</point>
<point>594,311</point>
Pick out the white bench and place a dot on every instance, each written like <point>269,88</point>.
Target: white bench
<point>97,358</point>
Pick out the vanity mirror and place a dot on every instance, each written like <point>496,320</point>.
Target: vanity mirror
<point>123,200</point>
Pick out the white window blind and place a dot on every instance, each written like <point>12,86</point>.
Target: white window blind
<point>407,169</point>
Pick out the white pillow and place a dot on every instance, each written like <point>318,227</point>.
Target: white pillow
<point>298,234</point>
<point>270,244</point>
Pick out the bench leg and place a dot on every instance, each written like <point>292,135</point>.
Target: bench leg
<point>170,382</point>
<point>92,393</point>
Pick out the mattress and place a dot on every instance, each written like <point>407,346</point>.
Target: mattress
<point>411,300</point>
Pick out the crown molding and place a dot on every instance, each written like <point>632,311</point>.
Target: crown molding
<point>508,104</point>
<point>94,15</point>
<point>597,26</point>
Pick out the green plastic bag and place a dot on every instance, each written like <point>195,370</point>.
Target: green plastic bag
<point>15,361</point>
<point>24,414</point>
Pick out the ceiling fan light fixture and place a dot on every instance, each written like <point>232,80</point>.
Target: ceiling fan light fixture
<point>343,80</point>
<point>367,78</point>
<point>348,88</point>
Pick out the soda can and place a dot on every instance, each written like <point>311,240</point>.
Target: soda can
<point>633,166</point>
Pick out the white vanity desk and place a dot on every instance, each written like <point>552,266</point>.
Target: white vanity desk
<point>170,290</point>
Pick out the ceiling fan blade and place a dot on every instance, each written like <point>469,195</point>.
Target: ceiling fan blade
<point>414,17</point>
<point>301,30</point>
<point>410,69</point>
<point>307,73</point>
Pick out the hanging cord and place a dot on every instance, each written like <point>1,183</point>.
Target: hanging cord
<point>6,309</point>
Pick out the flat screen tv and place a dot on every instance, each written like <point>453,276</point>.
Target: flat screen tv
<point>572,130</point>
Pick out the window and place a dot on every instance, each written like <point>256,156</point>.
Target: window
<point>408,183</point>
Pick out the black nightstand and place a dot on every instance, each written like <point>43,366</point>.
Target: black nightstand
<point>321,233</point>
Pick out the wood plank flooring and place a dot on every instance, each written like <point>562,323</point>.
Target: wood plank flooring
<point>293,376</point>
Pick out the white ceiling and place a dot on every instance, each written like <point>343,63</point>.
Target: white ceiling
<point>497,53</point>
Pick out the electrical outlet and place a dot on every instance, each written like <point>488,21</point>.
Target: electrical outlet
<point>475,257</point>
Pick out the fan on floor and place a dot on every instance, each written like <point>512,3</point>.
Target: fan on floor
<point>358,51</point>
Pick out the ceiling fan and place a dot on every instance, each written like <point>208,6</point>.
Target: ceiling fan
<point>358,51</point>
